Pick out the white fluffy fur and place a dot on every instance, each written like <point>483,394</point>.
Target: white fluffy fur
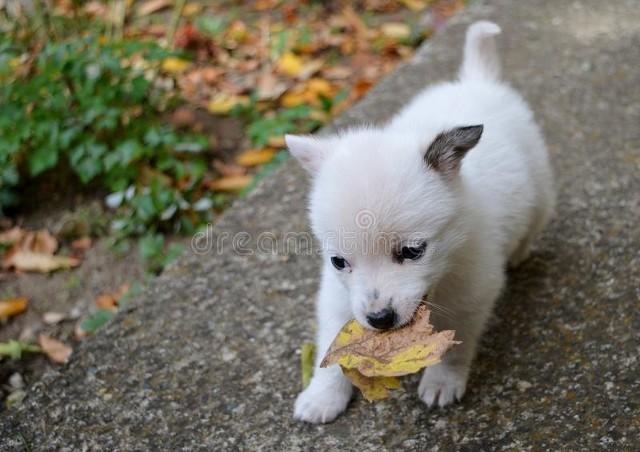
<point>370,183</point>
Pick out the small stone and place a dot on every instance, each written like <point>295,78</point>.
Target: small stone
<point>15,398</point>
<point>16,381</point>
<point>228,355</point>
<point>51,318</point>
<point>523,385</point>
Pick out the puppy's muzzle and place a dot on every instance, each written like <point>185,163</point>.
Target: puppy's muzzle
<point>382,320</point>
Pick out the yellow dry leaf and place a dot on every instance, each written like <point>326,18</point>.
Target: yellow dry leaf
<point>231,183</point>
<point>293,99</point>
<point>55,350</point>
<point>276,141</point>
<point>12,306</point>
<point>290,64</point>
<point>38,262</point>
<point>308,93</point>
<point>319,86</point>
<point>307,356</point>
<point>222,103</point>
<point>372,388</point>
<point>389,353</point>
<point>174,65</point>
<point>252,157</point>
<point>191,9</point>
<point>396,30</point>
<point>415,5</point>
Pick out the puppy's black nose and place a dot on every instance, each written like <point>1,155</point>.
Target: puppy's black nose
<point>382,320</point>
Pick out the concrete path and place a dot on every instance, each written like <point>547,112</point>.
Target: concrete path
<point>208,357</point>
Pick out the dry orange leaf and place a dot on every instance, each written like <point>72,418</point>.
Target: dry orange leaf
<point>56,351</point>
<point>228,169</point>
<point>83,243</point>
<point>361,87</point>
<point>252,157</point>
<point>294,98</point>
<point>29,261</point>
<point>106,301</point>
<point>12,306</point>
<point>231,183</point>
<point>110,300</point>
<point>320,86</point>
<point>308,92</point>
<point>369,356</point>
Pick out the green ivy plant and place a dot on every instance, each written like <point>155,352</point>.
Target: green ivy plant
<point>95,106</point>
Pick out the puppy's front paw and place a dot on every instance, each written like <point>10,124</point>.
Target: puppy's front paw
<point>322,402</point>
<point>442,385</point>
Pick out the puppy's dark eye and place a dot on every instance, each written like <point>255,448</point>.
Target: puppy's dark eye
<point>412,252</point>
<point>340,263</point>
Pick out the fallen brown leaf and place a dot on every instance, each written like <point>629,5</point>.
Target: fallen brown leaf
<point>183,117</point>
<point>361,87</point>
<point>38,262</point>
<point>56,351</point>
<point>106,301</point>
<point>228,169</point>
<point>231,183</point>
<point>310,68</point>
<point>82,244</point>
<point>389,353</point>
<point>11,236</point>
<point>152,6</point>
<point>269,86</point>
<point>253,157</point>
<point>191,9</point>
<point>12,307</point>
<point>110,300</point>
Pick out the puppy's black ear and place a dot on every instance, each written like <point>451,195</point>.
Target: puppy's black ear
<point>447,150</point>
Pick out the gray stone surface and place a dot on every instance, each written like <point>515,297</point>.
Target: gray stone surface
<point>208,357</point>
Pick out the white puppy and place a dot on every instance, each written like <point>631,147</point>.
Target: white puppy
<point>437,202</point>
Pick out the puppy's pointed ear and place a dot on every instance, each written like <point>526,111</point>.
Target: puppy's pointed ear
<point>445,153</point>
<point>309,151</point>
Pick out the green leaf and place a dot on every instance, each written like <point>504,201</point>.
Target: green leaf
<point>41,159</point>
<point>15,349</point>
<point>96,320</point>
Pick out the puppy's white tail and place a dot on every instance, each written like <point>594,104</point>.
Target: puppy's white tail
<point>481,60</point>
